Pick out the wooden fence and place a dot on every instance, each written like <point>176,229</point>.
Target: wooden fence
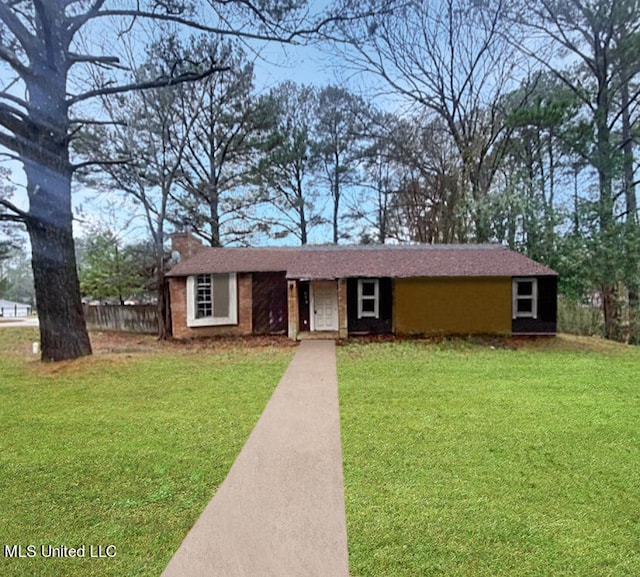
<point>124,318</point>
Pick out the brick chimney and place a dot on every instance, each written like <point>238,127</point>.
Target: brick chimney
<point>185,244</point>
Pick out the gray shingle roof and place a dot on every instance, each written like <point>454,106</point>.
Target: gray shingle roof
<point>344,261</point>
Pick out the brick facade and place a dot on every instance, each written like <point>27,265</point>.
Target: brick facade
<point>185,244</point>
<point>293,325</point>
<point>342,308</point>
<point>178,288</point>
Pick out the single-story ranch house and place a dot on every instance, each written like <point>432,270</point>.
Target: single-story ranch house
<point>335,291</point>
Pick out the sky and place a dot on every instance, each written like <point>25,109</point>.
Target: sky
<point>274,63</point>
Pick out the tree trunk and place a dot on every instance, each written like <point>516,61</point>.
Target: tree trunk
<point>302,217</point>
<point>336,208</point>
<point>63,332</point>
<point>302,224</point>
<point>214,217</point>
<point>631,203</point>
<point>481,218</point>
<point>627,147</point>
<point>605,167</point>
<point>164,313</point>
<point>611,312</point>
<point>336,193</point>
<point>164,331</point>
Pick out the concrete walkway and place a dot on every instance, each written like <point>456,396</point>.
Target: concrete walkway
<point>280,511</point>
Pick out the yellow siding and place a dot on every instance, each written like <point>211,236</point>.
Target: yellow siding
<point>452,305</point>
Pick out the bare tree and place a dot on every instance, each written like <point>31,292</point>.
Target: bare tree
<point>429,206</point>
<point>450,59</point>
<point>225,126</point>
<point>42,46</point>
<point>141,152</point>
<point>284,174</point>
<point>539,162</point>
<point>601,37</point>
<point>371,208</point>
<point>338,132</point>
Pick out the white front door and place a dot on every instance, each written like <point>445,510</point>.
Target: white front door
<point>325,306</point>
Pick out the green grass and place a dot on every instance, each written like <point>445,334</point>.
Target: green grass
<point>119,449</point>
<point>460,460</point>
<point>463,460</point>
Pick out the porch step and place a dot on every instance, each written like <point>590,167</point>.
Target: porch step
<point>317,335</point>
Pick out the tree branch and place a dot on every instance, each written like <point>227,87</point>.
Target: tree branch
<point>17,28</point>
<point>91,122</point>
<point>14,120</point>
<point>111,60</point>
<point>79,21</point>
<point>18,216</point>
<point>88,163</point>
<point>158,83</point>
<point>9,156</point>
<point>10,58</point>
<point>11,98</point>
<point>286,36</point>
<point>188,23</point>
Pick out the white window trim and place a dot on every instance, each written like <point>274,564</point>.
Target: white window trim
<point>232,319</point>
<point>375,314</point>
<point>533,297</point>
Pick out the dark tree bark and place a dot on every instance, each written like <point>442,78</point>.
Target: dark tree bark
<point>63,333</point>
<point>43,143</point>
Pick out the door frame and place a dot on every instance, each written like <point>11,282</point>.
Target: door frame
<point>335,308</point>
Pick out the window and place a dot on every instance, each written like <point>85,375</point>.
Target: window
<point>211,300</point>
<point>368,298</point>
<point>525,298</point>
<point>204,296</point>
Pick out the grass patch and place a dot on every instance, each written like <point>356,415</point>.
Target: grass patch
<point>468,460</point>
<point>120,449</point>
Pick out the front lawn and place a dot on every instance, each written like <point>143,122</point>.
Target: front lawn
<point>469,460</point>
<point>122,449</point>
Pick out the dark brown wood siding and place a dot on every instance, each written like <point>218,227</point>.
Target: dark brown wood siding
<point>382,324</point>
<point>269,298</point>
<point>546,321</point>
